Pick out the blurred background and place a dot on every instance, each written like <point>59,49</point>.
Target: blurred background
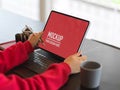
<point>104,15</point>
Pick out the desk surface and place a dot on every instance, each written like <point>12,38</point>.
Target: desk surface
<point>108,56</point>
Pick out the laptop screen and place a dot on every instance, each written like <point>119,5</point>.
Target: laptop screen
<point>63,34</point>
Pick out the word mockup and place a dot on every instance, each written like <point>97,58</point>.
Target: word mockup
<point>54,39</point>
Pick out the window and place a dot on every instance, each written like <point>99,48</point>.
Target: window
<point>114,4</point>
<point>104,17</point>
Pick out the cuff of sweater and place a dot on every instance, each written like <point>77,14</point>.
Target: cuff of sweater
<point>67,67</point>
<point>28,47</point>
<point>64,66</point>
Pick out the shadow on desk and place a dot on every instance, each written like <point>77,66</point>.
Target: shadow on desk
<point>83,88</point>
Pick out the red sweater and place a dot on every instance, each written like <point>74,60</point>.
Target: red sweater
<point>52,79</point>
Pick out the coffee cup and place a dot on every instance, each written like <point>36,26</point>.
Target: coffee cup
<point>90,74</point>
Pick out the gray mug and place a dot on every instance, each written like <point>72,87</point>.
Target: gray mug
<point>90,74</point>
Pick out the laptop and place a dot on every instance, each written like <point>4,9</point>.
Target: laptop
<point>62,36</point>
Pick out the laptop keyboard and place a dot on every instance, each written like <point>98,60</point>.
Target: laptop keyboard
<point>38,63</point>
<point>42,60</point>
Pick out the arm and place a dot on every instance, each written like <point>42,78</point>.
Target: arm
<point>55,77</point>
<point>18,53</point>
<point>14,55</point>
<point>52,79</point>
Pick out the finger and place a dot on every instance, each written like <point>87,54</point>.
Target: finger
<point>82,58</point>
<point>80,53</point>
<point>77,54</point>
<point>40,33</point>
<point>34,34</point>
<point>40,40</point>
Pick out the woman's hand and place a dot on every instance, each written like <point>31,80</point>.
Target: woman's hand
<point>74,62</point>
<point>35,38</point>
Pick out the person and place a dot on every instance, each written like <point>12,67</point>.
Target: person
<point>52,79</point>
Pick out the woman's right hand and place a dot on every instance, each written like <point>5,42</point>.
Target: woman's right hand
<point>74,62</point>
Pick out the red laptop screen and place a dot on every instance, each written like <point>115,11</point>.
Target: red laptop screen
<point>63,34</point>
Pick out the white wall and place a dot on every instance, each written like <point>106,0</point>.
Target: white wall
<point>27,8</point>
<point>104,23</point>
<point>0,3</point>
<point>34,9</point>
